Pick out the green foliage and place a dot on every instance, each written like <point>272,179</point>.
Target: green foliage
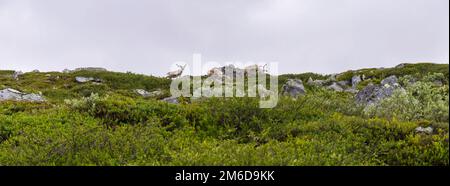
<point>421,100</point>
<point>417,71</point>
<point>117,80</point>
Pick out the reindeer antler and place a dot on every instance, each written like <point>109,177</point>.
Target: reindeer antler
<point>264,67</point>
<point>182,67</point>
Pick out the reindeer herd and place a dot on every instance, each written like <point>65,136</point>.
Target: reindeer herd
<point>179,72</point>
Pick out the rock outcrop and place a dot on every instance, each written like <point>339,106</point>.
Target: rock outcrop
<point>343,83</point>
<point>356,80</point>
<point>317,83</point>
<point>145,93</point>
<point>335,87</point>
<point>80,79</point>
<point>391,80</point>
<point>374,93</point>
<point>294,88</point>
<point>172,100</point>
<point>11,94</point>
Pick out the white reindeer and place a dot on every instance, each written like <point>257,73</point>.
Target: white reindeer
<point>256,67</point>
<point>177,73</point>
<point>215,71</point>
<point>264,68</point>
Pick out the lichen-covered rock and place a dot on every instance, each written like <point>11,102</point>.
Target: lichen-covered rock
<point>356,80</point>
<point>368,94</point>
<point>11,94</point>
<point>294,88</point>
<point>391,80</point>
<point>33,97</point>
<point>351,90</point>
<point>145,93</point>
<point>317,83</point>
<point>374,93</point>
<point>427,130</point>
<point>335,87</point>
<point>80,79</point>
<point>83,79</point>
<point>343,83</point>
<point>173,100</point>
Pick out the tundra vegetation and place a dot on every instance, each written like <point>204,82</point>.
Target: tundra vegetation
<point>105,122</point>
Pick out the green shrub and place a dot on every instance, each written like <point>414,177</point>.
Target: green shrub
<point>420,100</point>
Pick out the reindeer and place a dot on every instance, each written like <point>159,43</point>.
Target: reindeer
<point>215,71</point>
<point>256,67</point>
<point>177,73</point>
<point>264,68</point>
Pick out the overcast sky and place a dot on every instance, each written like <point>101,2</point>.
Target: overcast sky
<point>148,36</point>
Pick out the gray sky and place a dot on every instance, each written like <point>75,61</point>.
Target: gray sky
<point>148,36</point>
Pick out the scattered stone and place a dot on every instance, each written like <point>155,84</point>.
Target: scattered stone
<point>368,94</point>
<point>351,90</point>
<point>11,94</point>
<point>145,93</point>
<point>80,79</point>
<point>317,83</point>
<point>294,87</point>
<point>83,79</point>
<point>343,83</point>
<point>373,93</point>
<point>427,130</point>
<point>172,100</point>
<point>33,97</point>
<point>335,87</point>
<point>142,92</point>
<point>356,80</point>
<point>35,71</point>
<point>391,80</point>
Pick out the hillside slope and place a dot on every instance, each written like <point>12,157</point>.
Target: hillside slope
<point>105,122</point>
